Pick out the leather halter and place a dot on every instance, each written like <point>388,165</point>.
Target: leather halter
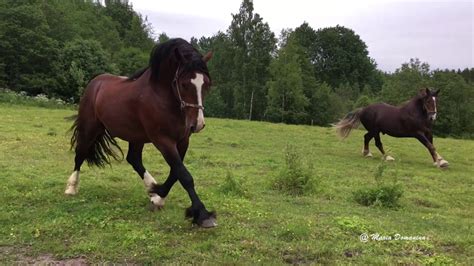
<point>183,104</point>
<point>429,112</point>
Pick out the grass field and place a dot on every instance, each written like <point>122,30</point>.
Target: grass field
<point>109,220</point>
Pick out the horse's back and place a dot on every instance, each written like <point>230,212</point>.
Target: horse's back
<point>98,83</point>
<point>380,117</point>
<point>111,88</point>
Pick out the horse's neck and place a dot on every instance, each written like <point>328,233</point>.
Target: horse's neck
<point>413,108</point>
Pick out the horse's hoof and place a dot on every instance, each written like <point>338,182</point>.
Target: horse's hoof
<point>70,191</point>
<point>156,202</point>
<point>443,163</point>
<point>209,222</point>
<point>152,207</point>
<point>366,153</point>
<point>389,158</point>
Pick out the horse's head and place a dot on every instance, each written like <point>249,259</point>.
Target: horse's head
<point>191,84</point>
<point>429,99</point>
<point>178,62</point>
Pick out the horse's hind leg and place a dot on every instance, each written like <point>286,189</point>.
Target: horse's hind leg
<point>72,186</point>
<point>134,158</point>
<point>366,152</point>
<point>379,145</point>
<point>86,133</point>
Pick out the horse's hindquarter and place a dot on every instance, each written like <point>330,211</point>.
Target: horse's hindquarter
<point>116,106</point>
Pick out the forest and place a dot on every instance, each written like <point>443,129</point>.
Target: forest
<point>298,76</point>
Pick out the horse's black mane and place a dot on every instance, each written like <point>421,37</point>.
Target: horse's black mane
<point>137,74</point>
<point>188,58</point>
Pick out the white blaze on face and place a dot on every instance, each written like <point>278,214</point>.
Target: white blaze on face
<point>198,81</point>
<point>435,109</point>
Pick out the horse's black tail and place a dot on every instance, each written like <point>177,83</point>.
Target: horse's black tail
<point>99,151</point>
<point>350,121</point>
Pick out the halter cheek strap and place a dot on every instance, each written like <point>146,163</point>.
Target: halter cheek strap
<point>183,104</point>
<point>428,111</point>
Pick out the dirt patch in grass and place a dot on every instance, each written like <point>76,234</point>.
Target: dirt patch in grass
<point>19,255</point>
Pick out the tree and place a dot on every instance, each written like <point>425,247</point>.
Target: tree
<point>34,35</point>
<point>163,37</point>
<point>254,44</point>
<point>215,106</point>
<point>306,37</point>
<point>455,108</point>
<point>406,81</point>
<point>81,60</point>
<point>467,74</point>
<point>325,105</point>
<point>339,56</point>
<point>27,55</point>
<point>222,73</point>
<point>286,99</point>
<point>129,60</point>
<point>131,27</point>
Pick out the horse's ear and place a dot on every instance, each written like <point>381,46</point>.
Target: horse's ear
<point>424,92</point>
<point>207,56</point>
<point>427,91</point>
<point>436,92</point>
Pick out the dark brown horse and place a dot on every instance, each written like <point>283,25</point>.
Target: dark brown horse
<point>413,119</point>
<point>161,104</point>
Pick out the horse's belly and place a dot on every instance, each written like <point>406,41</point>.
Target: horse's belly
<point>132,132</point>
<point>122,124</point>
<point>396,134</point>
<point>116,110</point>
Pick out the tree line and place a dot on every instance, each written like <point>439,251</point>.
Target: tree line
<point>56,47</point>
<point>303,76</point>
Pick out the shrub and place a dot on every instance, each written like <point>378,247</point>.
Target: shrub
<point>296,177</point>
<point>232,186</point>
<point>11,97</point>
<point>352,224</point>
<point>383,195</point>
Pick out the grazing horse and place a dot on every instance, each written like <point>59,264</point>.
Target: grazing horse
<point>161,104</point>
<point>413,119</point>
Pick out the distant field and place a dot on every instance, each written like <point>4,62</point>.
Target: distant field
<point>109,220</point>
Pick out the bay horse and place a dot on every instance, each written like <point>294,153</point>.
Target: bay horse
<point>413,119</point>
<point>160,104</point>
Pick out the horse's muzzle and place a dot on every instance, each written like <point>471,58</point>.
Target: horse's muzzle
<point>200,124</point>
<point>197,129</point>
<point>432,116</point>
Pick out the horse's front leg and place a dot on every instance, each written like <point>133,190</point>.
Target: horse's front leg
<point>134,158</point>
<point>165,188</point>
<point>437,159</point>
<point>429,136</point>
<point>197,211</point>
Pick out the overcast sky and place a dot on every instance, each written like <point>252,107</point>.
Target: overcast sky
<point>438,32</point>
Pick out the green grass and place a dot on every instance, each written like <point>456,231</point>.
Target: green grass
<point>234,164</point>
